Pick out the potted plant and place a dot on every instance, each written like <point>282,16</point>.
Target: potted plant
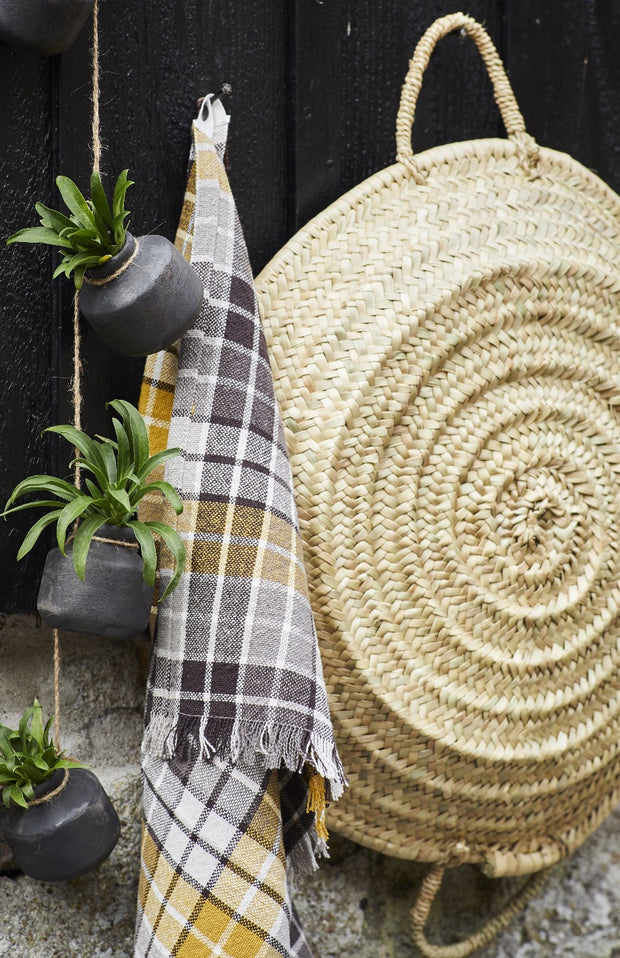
<point>140,295</point>
<point>55,816</point>
<point>97,583</point>
<point>43,26</point>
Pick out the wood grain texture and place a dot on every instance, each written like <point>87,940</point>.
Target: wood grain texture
<point>350,61</point>
<point>316,86</point>
<point>565,70</point>
<point>316,107</point>
<point>27,350</point>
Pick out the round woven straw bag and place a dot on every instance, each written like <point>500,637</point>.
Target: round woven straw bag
<point>445,344</point>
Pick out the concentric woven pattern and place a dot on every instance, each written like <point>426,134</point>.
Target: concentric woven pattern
<point>446,355</point>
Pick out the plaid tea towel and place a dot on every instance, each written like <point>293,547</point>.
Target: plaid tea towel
<point>238,748</point>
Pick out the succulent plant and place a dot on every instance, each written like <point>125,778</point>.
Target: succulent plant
<point>92,233</point>
<point>118,470</point>
<point>28,757</point>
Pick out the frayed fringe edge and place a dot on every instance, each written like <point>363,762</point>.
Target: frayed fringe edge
<point>233,741</point>
<point>302,860</point>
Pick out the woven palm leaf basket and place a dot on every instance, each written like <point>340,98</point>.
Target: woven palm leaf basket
<point>445,344</point>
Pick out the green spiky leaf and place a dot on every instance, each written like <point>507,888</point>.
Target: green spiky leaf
<point>166,489</point>
<point>136,432</point>
<point>43,483</point>
<point>28,758</point>
<point>54,219</point>
<point>35,531</point>
<point>39,234</point>
<point>93,231</point>
<point>100,200</point>
<point>83,538</point>
<point>119,467</point>
<point>120,189</point>
<point>91,455</point>
<point>153,462</point>
<point>147,547</point>
<point>72,511</point>
<point>123,450</point>
<point>75,201</point>
<point>176,547</point>
<point>121,502</point>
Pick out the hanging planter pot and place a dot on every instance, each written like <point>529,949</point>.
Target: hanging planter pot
<point>141,294</point>
<point>46,27</point>
<point>69,828</point>
<point>144,298</point>
<point>55,815</point>
<point>112,600</point>
<point>96,582</point>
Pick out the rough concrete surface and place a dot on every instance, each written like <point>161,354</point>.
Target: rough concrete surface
<point>356,906</point>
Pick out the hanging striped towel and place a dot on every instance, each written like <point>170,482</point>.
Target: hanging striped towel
<point>238,747</point>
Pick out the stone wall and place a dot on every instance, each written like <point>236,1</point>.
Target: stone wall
<point>355,906</point>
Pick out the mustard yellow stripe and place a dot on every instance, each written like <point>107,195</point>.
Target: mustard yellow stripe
<point>237,917</point>
<point>208,165</point>
<point>189,202</point>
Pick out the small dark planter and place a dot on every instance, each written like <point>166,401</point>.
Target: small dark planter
<point>150,304</point>
<point>113,601</point>
<point>67,836</point>
<point>43,26</point>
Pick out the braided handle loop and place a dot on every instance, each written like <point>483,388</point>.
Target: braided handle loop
<point>504,96</point>
<point>420,912</point>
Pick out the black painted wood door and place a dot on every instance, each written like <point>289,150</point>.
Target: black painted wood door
<point>315,89</point>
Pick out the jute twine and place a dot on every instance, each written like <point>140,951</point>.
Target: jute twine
<point>51,795</point>
<point>77,360</point>
<point>118,272</point>
<point>116,542</point>
<point>445,346</point>
<point>112,542</point>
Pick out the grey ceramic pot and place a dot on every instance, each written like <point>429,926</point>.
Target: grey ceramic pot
<point>113,601</point>
<point>44,26</point>
<point>66,836</point>
<point>150,304</point>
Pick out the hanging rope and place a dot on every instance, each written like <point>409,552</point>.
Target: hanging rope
<point>96,140</point>
<point>77,377</point>
<point>77,341</point>
<point>57,689</point>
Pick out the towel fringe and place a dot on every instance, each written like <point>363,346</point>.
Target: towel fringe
<point>317,803</point>
<point>302,859</point>
<point>234,741</point>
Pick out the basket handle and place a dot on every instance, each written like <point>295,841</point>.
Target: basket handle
<point>420,911</point>
<point>527,147</point>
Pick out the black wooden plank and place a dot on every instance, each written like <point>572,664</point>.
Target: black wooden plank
<point>26,320</point>
<point>599,108</point>
<point>566,74</point>
<point>243,44</point>
<point>350,59</point>
<point>455,102</point>
<point>316,54</point>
